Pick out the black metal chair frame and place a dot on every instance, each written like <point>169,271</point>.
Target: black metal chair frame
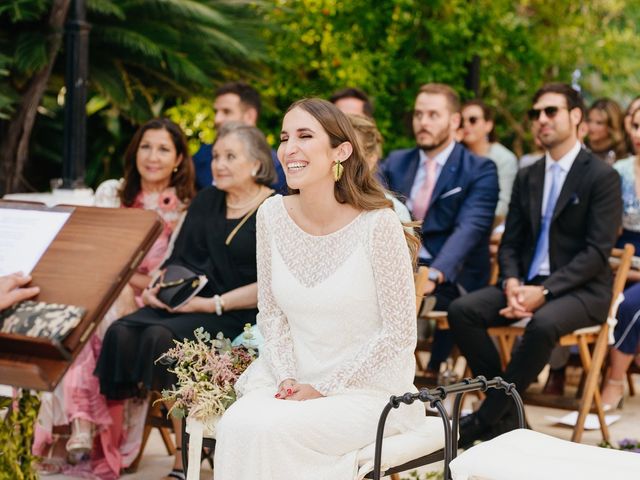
<point>435,397</point>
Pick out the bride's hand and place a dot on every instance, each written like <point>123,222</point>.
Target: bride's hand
<point>286,388</point>
<point>304,391</point>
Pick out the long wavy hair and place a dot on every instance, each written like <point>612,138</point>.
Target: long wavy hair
<point>615,125</point>
<point>183,180</point>
<point>357,186</point>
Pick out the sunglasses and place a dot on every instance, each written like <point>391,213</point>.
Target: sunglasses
<point>550,112</point>
<point>472,121</point>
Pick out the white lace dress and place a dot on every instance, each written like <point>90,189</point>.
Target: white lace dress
<point>338,312</point>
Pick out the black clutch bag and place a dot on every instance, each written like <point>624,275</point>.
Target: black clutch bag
<point>178,285</point>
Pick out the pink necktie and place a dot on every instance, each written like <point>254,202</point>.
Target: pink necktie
<point>421,202</point>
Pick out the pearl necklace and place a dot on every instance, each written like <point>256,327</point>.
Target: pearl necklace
<point>247,204</point>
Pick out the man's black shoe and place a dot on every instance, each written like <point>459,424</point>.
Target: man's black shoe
<point>472,429</point>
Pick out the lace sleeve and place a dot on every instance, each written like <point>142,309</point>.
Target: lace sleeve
<point>396,301</point>
<point>278,347</point>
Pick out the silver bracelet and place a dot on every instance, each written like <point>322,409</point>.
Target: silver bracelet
<point>217,300</point>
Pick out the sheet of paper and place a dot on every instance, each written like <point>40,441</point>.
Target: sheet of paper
<point>25,235</point>
<point>591,422</point>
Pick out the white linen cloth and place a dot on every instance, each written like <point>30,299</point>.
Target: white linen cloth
<point>527,455</point>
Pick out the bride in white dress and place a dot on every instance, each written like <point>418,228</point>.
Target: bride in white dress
<point>337,311</point>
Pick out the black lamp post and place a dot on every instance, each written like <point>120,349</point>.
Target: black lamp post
<point>472,80</point>
<point>76,42</point>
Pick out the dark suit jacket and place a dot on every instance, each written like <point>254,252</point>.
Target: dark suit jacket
<point>583,230</point>
<point>202,163</point>
<point>457,226</point>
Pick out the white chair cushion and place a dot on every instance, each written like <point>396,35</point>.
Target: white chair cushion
<point>403,447</point>
<point>527,455</point>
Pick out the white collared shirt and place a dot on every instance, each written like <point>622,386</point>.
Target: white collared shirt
<point>421,175</point>
<point>565,164</point>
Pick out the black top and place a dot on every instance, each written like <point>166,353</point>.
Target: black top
<point>200,246</point>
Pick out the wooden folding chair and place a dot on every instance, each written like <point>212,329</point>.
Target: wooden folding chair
<point>440,317</point>
<point>597,336</point>
<point>156,418</point>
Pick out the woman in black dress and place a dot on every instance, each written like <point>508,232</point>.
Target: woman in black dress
<point>218,240</point>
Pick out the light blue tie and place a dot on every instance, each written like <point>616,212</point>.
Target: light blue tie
<point>542,246</point>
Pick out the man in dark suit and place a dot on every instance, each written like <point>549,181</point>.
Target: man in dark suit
<point>235,102</point>
<point>454,193</point>
<point>563,220</point>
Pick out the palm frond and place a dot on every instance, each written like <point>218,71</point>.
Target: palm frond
<point>214,36</point>
<point>105,7</point>
<point>186,10</point>
<point>23,10</point>
<point>129,40</point>
<point>30,53</point>
<point>185,69</point>
<point>106,78</point>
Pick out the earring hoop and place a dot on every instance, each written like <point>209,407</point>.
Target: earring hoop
<point>337,170</point>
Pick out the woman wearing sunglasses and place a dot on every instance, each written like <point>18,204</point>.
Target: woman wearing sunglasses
<point>479,137</point>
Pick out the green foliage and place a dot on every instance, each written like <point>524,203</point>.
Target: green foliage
<point>144,56</point>
<point>431,475</point>
<point>392,47</point>
<point>196,118</point>
<point>16,435</point>
<point>148,57</point>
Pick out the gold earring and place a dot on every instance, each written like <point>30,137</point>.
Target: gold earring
<point>337,170</point>
<point>175,169</point>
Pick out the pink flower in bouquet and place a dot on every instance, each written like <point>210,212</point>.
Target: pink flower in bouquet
<point>207,370</point>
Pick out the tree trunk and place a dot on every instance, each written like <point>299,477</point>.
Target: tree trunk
<point>14,148</point>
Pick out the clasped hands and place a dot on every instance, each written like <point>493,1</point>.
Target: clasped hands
<point>290,389</point>
<point>522,300</point>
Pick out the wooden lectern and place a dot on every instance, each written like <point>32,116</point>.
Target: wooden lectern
<point>88,263</point>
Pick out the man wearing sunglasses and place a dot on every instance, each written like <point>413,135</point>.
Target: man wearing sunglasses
<point>563,220</point>
<point>454,194</point>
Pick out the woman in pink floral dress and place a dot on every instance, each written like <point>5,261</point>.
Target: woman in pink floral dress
<point>159,177</point>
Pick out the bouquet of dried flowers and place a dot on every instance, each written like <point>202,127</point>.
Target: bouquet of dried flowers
<point>207,369</point>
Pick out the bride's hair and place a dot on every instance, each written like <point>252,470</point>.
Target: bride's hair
<point>357,186</point>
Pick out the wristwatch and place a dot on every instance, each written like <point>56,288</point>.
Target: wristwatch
<point>547,294</point>
<point>434,275</point>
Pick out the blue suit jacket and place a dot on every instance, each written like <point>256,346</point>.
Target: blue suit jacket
<point>457,226</point>
<point>202,163</point>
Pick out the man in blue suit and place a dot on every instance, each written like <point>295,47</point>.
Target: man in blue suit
<point>235,102</point>
<point>454,194</point>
